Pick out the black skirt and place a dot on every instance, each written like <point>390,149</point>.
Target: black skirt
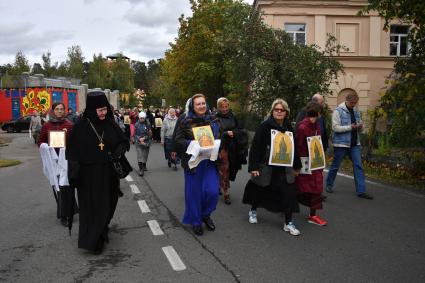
<point>274,198</point>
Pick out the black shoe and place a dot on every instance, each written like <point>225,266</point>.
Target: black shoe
<point>365,196</point>
<point>329,190</point>
<point>175,168</point>
<point>64,222</point>
<point>209,223</point>
<point>323,197</point>
<point>141,172</point>
<point>169,164</point>
<point>227,200</point>
<point>198,230</point>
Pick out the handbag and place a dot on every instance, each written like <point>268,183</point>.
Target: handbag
<point>120,165</point>
<point>265,177</point>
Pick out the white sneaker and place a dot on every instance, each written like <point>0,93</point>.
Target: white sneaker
<point>291,229</point>
<point>252,216</point>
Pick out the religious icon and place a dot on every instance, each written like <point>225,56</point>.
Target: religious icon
<point>282,148</point>
<point>127,120</point>
<point>158,122</point>
<point>204,136</point>
<point>57,139</point>
<point>316,153</point>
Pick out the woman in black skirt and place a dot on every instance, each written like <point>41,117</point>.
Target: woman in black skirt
<point>281,194</point>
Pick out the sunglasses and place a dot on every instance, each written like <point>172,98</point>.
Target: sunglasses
<point>279,110</point>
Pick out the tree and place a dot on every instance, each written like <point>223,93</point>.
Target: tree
<point>122,76</point>
<point>37,69</point>
<point>225,49</point>
<point>404,101</point>
<point>21,64</point>
<point>140,70</point>
<point>49,70</point>
<point>98,74</point>
<point>75,62</point>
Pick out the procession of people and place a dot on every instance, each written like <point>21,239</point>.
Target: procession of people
<point>285,163</point>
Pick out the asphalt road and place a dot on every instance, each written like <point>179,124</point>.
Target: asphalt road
<point>366,241</point>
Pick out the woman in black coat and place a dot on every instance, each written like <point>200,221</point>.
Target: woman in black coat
<point>281,194</point>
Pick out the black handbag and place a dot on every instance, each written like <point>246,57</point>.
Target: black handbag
<point>265,177</point>
<point>121,166</point>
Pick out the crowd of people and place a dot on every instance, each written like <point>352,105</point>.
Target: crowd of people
<point>211,147</point>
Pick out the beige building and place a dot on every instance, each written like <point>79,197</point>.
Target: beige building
<point>370,58</point>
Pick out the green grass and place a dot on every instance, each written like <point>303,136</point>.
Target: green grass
<point>381,172</point>
<point>8,162</point>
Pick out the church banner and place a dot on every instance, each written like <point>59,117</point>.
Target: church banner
<point>316,153</point>
<point>282,148</point>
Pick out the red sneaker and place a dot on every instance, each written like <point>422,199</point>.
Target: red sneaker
<point>316,220</point>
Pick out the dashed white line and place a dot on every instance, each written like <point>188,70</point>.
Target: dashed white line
<point>156,230</point>
<point>143,206</point>
<point>173,258</point>
<point>134,189</point>
<point>129,178</point>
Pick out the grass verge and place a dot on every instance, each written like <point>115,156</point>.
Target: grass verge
<point>8,162</point>
<point>384,173</point>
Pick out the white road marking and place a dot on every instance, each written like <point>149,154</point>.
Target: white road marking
<point>156,230</point>
<point>143,206</point>
<point>352,178</point>
<point>173,258</point>
<point>129,178</point>
<point>134,189</point>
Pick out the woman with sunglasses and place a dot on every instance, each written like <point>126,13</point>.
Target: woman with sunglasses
<point>281,194</point>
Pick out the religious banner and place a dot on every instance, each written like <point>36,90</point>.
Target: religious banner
<point>316,153</point>
<point>158,122</point>
<point>282,148</point>
<point>57,139</point>
<point>204,136</point>
<point>127,120</point>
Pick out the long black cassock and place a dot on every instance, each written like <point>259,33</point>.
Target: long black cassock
<point>91,173</point>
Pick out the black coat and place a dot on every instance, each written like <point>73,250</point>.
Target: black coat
<point>237,146</point>
<point>281,195</point>
<point>90,171</point>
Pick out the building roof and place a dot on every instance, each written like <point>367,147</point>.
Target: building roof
<point>117,55</point>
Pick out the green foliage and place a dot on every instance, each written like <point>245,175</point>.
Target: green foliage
<point>98,75</point>
<point>75,62</point>
<point>225,48</point>
<point>122,76</point>
<point>404,101</point>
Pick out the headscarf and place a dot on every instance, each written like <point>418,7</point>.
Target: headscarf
<point>96,99</point>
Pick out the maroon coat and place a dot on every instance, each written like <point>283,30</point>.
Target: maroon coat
<point>54,126</point>
<point>308,183</point>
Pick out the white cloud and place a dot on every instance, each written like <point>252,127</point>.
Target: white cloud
<point>23,37</point>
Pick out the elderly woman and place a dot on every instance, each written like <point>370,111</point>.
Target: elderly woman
<point>310,186</point>
<point>201,182</point>
<point>281,194</point>
<point>143,139</point>
<point>229,162</point>
<point>167,130</point>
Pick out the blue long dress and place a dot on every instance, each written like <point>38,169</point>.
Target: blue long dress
<point>202,182</point>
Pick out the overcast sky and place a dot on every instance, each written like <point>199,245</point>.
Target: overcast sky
<point>141,29</point>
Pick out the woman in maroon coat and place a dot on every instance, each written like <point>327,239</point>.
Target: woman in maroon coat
<point>57,122</point>
<point>310,186</point>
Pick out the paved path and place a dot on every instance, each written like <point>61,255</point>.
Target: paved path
<point>366,241</point>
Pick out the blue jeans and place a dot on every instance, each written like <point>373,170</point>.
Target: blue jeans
<point>355,155</point>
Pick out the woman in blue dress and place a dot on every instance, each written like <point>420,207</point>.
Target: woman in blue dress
<point>202,181</point>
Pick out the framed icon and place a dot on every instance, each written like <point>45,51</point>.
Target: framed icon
<point>127,120</point>
<point>282,148</point>
<point>158,122</point>
<point>316,153</point>
<point>57,139</point>
<point>204,136</point>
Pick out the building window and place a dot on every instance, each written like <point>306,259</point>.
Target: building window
<point>296,32</point>
<point>399,45</point>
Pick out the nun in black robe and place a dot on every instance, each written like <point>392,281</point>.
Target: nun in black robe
<point>90,170</point>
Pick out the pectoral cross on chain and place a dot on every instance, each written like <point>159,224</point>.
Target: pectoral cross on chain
<point>101,145</point>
